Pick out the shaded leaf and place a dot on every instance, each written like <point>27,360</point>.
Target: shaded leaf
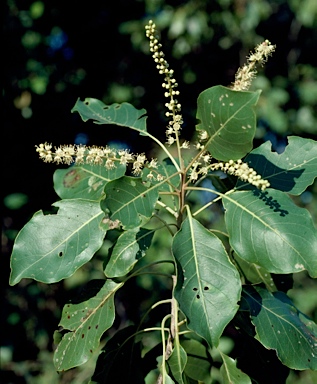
<point>291,171</point>
<point>230,373</point>
<point>87,321</point>
<point>280,326</point>
<point>128,199</point>
<point>85,181</point>
<point>208,284</point>
<point>128,249</point>
<point>120,359</point>
<point>228,117</point>
<point>120,114</point>
<point>268,229</point>
<point>255,274</point>
<point>199,362</point>
<point>50,248</point>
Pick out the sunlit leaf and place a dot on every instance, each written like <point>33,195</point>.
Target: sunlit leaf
<point>229,119</point>
<point>128,199</point>
<point>85,181</point>
<point>128,249</point>
<point>208,284</point>
<point>52,247</point>
<point>230,373</point>
<point>280,326</point>
<point>87,321</point>
<point>291,171</point>
<point>268,229</point>
<point>120,114</point>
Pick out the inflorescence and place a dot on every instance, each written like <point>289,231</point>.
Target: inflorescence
<point>247,72</point>
<point>108,157</point>
<point>170,85</point>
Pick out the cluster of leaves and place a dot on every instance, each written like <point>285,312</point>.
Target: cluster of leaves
<point>218,280</point>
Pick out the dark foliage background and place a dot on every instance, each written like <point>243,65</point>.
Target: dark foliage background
<point>55,52</point>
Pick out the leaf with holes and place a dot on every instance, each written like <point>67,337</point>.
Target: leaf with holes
<point>209,286</point>
<point>268,229</point>
<point>120,114</point>
<point>85,181</point>
<point>87,321</point>
<point>50,248</point>
<point>229,119</point>
<point>130,247</point>
<point>129,200</point>
<point>291,171</point>
<point>230,373</point>
<point>280,326</point>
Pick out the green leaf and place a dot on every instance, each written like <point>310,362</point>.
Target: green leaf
<point>177,362</point>
<point>85,181</point>
<point>268,229</point>
<point>52,247</point>
<point>291,171</point>
<point>120,114</point>
<point>229,119</point>
<point>129,248</point>
<point>255,274</point>
<point>128,199</point>
<point>199,362</point>
<point>87,321</point>
<point>166,169</point>
<point>210,288</point>
<point>230,373</point>
<point>280,326</point>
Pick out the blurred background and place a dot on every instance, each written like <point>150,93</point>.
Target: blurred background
<point>55,52</point>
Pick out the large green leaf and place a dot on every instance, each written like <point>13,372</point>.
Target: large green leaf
<point>120,114</point>
<point>229,119</point>
<point>128,249</point>
<point>230,373</point>
<point>208,284</point>
<point>50,248</point>
<point>268,229</point>
<point>291,171</point>
<point>280,326</point>
<point>85,181</point>
<point>128,199</point>
<point>87,321</point>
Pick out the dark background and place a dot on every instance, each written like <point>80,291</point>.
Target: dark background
<point>58,51</point>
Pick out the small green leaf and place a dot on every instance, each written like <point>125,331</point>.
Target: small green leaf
<point>255,274</point>
<point>87,321</point>
<point>129,248</point>
<point>268,229</point>
<point>177,362</point>
<point>280,326</point>
<point>229,119</point>
<point>291,171</point>
<point>128,199</point>
<point>210,288</point>
<point>50,248</point>
<point>85,181</point>
<point>120,114</point>
<point>230,373</point>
